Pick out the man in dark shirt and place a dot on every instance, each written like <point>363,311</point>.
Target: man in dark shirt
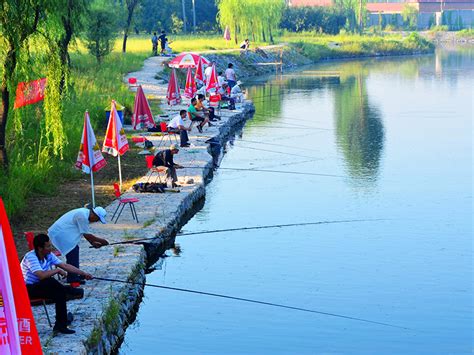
<point>154,42</point>
<point>165,158</point>
<point>163,41</point>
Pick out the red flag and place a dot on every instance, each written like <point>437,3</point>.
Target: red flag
<point>28,93</point>
<point>213,82</point>
<point>90,156</point>
<point>190,88</point>
<point>18,334</point>
<point>115,141</point>
<point>227,33</point>
<point>199,75</point>
<point>141,111</point>
<point>173,95</point>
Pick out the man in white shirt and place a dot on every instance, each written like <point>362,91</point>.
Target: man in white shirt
<point>230,75</point>
<point>36,267</point>
<point>208,71</point>
<point>67,231</point>
<point>236,92</point>
<point>177,125</point>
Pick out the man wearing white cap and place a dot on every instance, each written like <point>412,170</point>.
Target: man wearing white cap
<point>66,233</point>
<point>236,92</point>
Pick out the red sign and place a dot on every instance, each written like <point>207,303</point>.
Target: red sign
<point>31,92</point>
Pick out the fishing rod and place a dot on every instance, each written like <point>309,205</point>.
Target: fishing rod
<point>270,171</point>
<point>288,127</point>
<point>252,301</point>
<point>275,151</point>
<point>257,227</point>
<point>277,145</point>
<point>276,115</point>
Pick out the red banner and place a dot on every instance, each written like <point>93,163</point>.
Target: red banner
<point>28,93</point>
<point>17,325</point>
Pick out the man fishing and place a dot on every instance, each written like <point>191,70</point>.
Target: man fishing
<point>67,231</point>
<point>165,158</point>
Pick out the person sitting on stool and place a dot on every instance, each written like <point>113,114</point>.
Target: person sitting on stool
<point>36,268</point>
<point>207,110</point>
<point>165,158</point>
<point>177,125</point>
<point>196,116</point>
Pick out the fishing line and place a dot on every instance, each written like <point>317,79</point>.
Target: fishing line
<point>289,127</point>
<point>276,145</point>
<point>273,171</point>
<point>277,115</point>
<point>258,227</point>
<point>275,151</point>
<point>252,301</point>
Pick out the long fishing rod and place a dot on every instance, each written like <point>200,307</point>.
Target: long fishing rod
<point>253,301</point>
<point>277,145</point>
<point>275,151</point>
<point>277,115</point>
<point>288,127</point>
<point>257,227</point>
<point>271,171</point>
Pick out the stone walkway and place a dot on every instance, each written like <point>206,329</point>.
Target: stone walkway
<point>101,316</point>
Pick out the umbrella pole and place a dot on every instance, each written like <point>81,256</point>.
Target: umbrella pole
<point>120,172</point>
<point>92,188</point>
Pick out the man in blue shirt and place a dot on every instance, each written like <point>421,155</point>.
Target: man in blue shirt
<point>36,268</point>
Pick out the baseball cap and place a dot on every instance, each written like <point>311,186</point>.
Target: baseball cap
<point>101,213</point>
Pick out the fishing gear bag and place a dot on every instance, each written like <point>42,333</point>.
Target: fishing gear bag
<point>152,187</point>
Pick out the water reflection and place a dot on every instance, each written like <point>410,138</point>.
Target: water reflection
<point>359,128</point>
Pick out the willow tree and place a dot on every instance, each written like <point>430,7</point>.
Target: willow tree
<point>18,21</point>
<point>229,14</point>
<point>355,11</point>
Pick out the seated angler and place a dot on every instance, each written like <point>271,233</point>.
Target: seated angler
<point>196,116</point>
<point>177,125</point>
<point>165,158</point>
<point>236,92</point>
<point>207,110</point>
<point>224,91</point>
<point>38,275</point>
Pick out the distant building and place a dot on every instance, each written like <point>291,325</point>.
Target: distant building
<point>456,14</point>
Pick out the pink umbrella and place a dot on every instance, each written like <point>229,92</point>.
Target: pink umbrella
<point>187,60</point>
<point>190,88</point>
<point>173,95</point>
<point>213,82</point>
<point>199,75</point>
<point>141,111</point>
<point>227,33</point>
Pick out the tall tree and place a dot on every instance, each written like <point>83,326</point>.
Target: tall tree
<point>100,30</point>
<point>131,6</point>
<point>18,21</point>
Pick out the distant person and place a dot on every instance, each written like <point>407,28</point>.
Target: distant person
<point>36,267</point>
<point>67,231</point>
<point>230,75</point>
<point>245,45</point>
<point>154,42</point>
<point>177,125</point>
<point>196,116</point>
<point>163,41</point>
<point>165,158</point>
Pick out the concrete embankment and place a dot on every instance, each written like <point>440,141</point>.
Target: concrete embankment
<point>107,308</point>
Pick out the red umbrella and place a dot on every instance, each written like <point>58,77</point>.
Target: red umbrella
<point>227,33</point>
<point>190,88</point>
<point>213,82</point>
<point>173,95</point>
<point>141,111</point>
<point>187,60</point>
<point>199,75</point>
<point>115,142</point>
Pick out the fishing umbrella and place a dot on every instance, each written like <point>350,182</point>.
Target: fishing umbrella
<point>190,88</point>
<point>115,141</point>
<point>90,158</point>
<point>213,82</point>
<point>187,60</point>
<point>141,111</point>
<point>173,95</point>
<point>199,75</point>
<point>227,33</point>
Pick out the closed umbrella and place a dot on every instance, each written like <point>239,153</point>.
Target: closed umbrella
<point>190,88</point>
<point>213,82</point>
<point>199,75</point>
<point>173,95</point>
<point>141,111</point>
<point>227,33</point>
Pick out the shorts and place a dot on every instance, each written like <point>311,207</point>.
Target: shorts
<point>197,119</point>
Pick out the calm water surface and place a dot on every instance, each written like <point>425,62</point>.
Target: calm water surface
<point>397,133</point>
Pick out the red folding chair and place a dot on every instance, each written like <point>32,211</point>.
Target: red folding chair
<point>153,169</point>
<point>167,133</point>
<point>132,82</point>
<point>122,202</point>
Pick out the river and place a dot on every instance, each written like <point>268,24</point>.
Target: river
<point>392,141</point>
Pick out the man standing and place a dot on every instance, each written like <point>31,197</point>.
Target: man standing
<point>208,71</point>
<point>163,40</point>
<point>177,125</point>
<point>154,41</point>
<point>67,231</point>
<point>36,269</point>
<point>230,75</point>
<point>165,158</point>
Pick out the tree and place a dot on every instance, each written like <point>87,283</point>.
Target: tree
<point>18,21</point>
<point>100,30</point>
<point>131,6</point>
<point>410,17</point>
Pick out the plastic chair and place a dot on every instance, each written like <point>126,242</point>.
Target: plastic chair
<point>29,240</point>
<point>167,133</point>
<point>122,202</point>
<point>215,101</point>
<point>153,169</point>
<point>132,82</point>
